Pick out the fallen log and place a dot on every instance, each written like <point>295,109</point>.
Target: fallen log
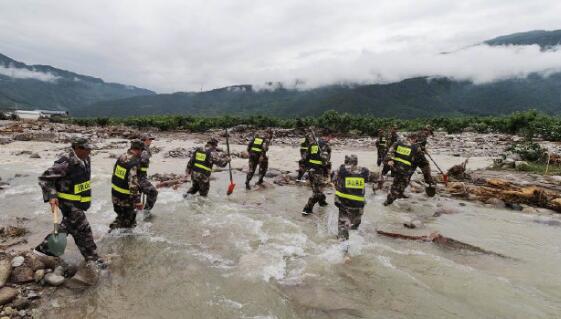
<point>438,239</point>
<point>173,183</point>
<point>509,193</point>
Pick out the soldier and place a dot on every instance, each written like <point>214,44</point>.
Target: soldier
<point>302,162</point>
<point>404,157</point>
<point>381,146</point>
<point>257,149</point>
<point>125,188</point>
<point>424,135</point>
<point>350,182</point>
<point>66,185</point>
<point>145,185</point>
<point>200,165</point>
<point>317,164</point>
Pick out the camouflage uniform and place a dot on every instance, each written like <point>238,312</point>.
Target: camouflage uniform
<point>349,195</point>
<point>317,164</point>
<point>200,180</point>
<point>57,181</point>
<point>257,149</point>
<point>302,162</point>
<point>390,138</point>
<point>404,167</point>
<point>145,185</point>
<point>127,194</point>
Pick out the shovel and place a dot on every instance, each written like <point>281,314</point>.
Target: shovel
<point>232,185</point>
<point>444,175</point>
<point>56,242</point>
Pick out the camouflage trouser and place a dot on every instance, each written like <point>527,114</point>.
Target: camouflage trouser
<point>199,183</point>
<point>126,217</point>
<point>254,160</point>
<point>301,166</point>
<point>349,218</point>
<point>317,181</point>
<point>381,155</point>
<point>150,191</point>
<point>75,223</point>
<point>400,183</point>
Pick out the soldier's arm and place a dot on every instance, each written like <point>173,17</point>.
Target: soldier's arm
<point>134,183</point>
<point>220,160</point>
<point>250,143</point>
<point>390,154</point>
<point>48,179</point>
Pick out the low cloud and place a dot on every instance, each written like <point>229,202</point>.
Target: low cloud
<point>479,64</point>
<point>20,73</point>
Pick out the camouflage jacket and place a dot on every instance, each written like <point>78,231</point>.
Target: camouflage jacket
<point>216,158</point>
<point>418,160</point>
<point>55,177</point>
<point>265,146</point>
<point>353,169</point>
<point>133,182</point>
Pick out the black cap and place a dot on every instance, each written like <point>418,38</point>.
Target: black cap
<point>138,144</point>
<point>81,142</point>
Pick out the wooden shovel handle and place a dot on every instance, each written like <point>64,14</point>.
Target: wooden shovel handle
<point>56,217</point>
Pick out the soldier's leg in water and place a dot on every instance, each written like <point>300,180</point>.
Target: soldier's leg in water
<point>313,176</point>
<point>120,219</point>
<point>356,217</point>
<point>194,187</point>
<point>151,193</point>
<point>344,223</point>
<point>78,226</point>
<point>251,170</point>
<point>301,169</point>
<point>204,188</point>
<point>399,184</point>
<point>129,217</point>
<point>321,196</point>
<point>263,166</point>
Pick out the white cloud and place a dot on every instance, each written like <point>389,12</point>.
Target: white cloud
<point>19,73</point>
<point>188,45</point>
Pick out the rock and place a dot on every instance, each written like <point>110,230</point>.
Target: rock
<point>7,294</point>
<point>5,270</point>
<point>22,313</point>
<point>495,202</point>
<point>178,152</point>
<point>23,137</point>
<point>54,279</point>
<point>59,270</point>
<point>21,303</point>
<point>22,274</point>
<point>9,311</point>
<point>35,155</point>
<point>18,261</point>
<point>521,165</point>
<point>39,274</point>
<point>12,231</point>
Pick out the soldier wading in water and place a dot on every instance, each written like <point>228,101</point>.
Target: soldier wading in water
<point>200,165</point>
<point>257,149</point>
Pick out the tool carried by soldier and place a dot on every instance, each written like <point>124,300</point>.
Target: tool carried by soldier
<point>444,175</point>
<point>232,185</point>
<point>56,243</point>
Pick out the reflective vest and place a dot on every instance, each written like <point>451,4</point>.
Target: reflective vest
<point>350,187</point>
<point>256,145</point>
<point>404,155</point>
<point>120,178</point>
<point>202,162</point>
<point>314,159</point>
<point>79,191</point>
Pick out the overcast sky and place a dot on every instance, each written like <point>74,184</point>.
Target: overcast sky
<point>185,45</point>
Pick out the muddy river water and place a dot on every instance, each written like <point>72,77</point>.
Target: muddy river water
<point>252,255</point>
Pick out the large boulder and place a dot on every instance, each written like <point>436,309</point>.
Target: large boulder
<point>7,294</point>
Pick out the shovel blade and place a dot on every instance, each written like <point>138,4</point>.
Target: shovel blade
<point>56,244</point>
<point>231,188</point>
